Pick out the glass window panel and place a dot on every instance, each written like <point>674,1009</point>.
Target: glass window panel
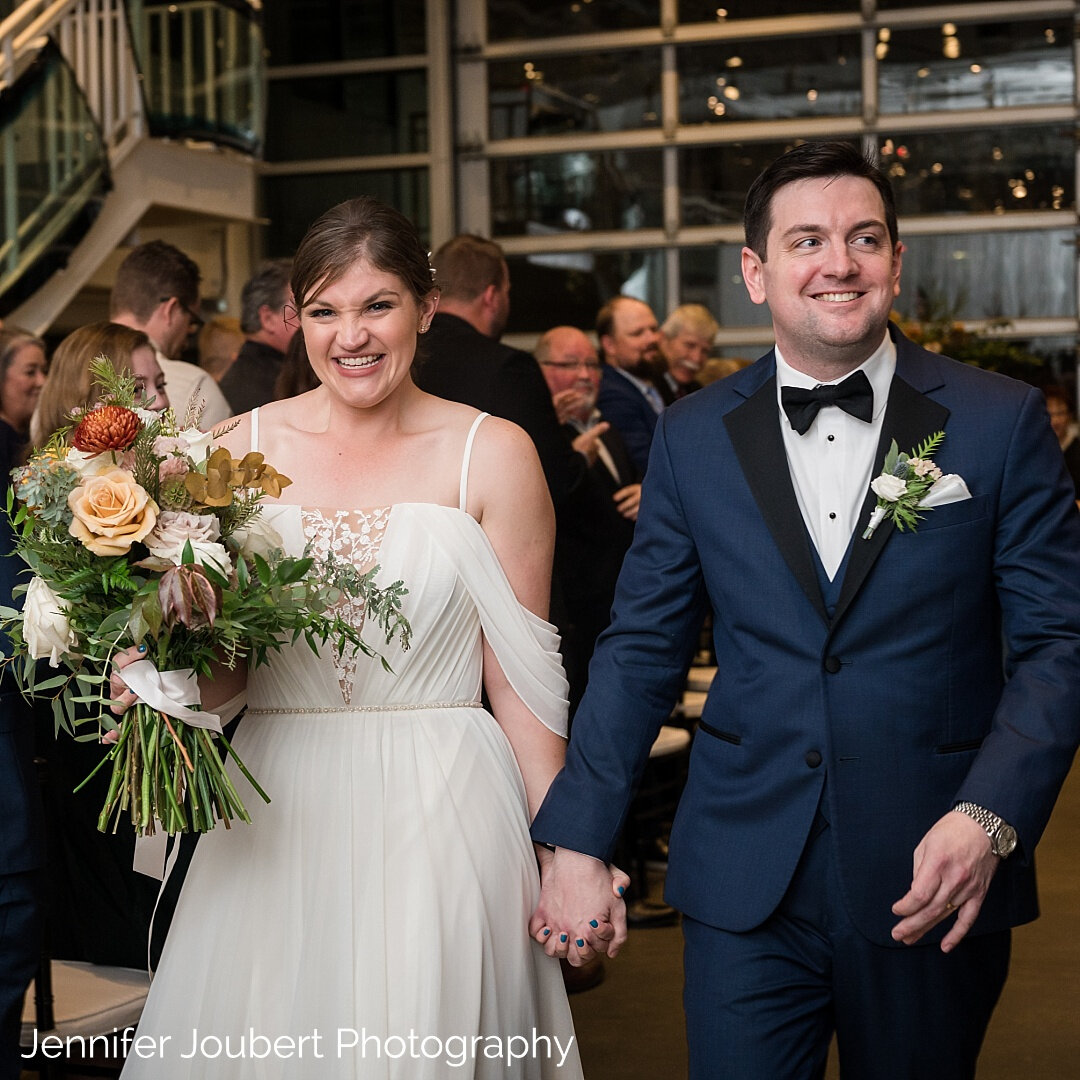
<point>980,170</point>
<point>723,10</point>
<point>979,66</point>
<point>712,276</point>
<point>989,275</point>
<point>762,80</point>
<point>512,20</point>
<point>292,203</point>
<point>602,91</point>
<point>349,115</point>
<point>577,192</point>
<point>713,180</point>
<point>312,31</point>
<point>569,289</point>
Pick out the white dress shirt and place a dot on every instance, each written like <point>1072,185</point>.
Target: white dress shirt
<point>833,463</point>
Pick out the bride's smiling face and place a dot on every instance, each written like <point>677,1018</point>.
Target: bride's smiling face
<point>360,332</point>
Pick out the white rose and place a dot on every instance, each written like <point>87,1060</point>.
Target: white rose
<point>46,629</point>
<point>198,443</point>
<point>175,528</point>
<point>208,553</point>
<point>92,464</point>
<point>888,487</point>
<point>257,538</point>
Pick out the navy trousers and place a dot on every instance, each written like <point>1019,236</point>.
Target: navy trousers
<point>764,1005</point>
<point>20,951</point>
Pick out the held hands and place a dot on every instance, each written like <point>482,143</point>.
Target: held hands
<point>953,867</point>
<point>581,911</point>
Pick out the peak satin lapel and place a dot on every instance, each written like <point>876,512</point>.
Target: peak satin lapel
<point>909,418</point>
<point>754,429</point>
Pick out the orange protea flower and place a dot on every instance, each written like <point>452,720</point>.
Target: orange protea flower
<point>108,427</point>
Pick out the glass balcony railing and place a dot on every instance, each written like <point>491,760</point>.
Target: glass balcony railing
<point>202,65</point>
<point>55,172</point>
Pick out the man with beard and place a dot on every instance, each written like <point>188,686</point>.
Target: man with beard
<point>630,338</point>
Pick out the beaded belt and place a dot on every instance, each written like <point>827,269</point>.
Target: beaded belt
<point>402,707</point>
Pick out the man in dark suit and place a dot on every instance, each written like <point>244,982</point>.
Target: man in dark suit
<point>630,340</point>
<point>895,709</point>
<point>268,320</point>
<point>463,360</point>
<point>595,527</point>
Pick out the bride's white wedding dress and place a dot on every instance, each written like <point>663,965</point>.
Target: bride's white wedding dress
<point>373,918</point>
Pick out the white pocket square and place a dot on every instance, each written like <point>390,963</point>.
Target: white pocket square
<point>947,489</point>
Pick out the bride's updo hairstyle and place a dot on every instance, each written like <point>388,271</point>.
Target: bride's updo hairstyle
<point>362,228</point>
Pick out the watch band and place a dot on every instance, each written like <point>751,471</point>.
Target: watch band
<point>1002,835</point>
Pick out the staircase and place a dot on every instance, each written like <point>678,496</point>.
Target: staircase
<point>110,112</point>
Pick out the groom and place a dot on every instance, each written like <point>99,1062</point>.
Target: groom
<point>892,717</point>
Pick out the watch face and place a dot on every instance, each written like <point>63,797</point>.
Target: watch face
<point>1005,841</point>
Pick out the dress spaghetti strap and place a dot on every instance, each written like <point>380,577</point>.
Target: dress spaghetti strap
<point>255,429</point>
<point>464,489</point>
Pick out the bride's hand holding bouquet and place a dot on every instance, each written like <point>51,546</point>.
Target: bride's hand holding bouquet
<point>143,535</point>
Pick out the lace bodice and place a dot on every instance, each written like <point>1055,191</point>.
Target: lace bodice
<point>353,536</point>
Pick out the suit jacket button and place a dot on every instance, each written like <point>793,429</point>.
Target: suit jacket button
<point>813,758</point>
<point>832,664</point>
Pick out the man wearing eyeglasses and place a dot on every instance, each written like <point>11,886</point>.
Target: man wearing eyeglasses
<point>595,528</point>
<point>156,290</point>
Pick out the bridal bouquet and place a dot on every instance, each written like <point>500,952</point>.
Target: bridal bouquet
<point>140,533</point>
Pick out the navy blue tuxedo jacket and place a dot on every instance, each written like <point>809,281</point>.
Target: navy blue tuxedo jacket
<point>628,411</point>
<point>948,670</point>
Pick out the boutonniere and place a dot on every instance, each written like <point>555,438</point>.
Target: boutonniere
<point>912,482</point>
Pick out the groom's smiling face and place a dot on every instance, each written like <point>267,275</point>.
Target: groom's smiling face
<point>830,274</point>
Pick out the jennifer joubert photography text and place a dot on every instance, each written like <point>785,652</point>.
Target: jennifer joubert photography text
<point>455,1050</point>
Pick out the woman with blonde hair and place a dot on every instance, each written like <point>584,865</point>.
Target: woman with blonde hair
<point>71,386</point>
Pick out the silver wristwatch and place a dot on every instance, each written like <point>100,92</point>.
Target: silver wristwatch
<point>1002,835</point>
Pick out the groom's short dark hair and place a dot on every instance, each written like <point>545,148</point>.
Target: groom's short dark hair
<point>806,162</point>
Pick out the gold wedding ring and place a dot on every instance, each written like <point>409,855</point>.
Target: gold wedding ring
<point>949,905</point>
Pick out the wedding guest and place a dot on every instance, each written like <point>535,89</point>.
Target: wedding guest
<point>386,886</point>
<point>269,321</point>
<point>156,290</point>
<point>71,384</point>
<point>22,854</point>
<point>91,883</point>
<point>630,340</point>
<point>1060,407</point>
<point>686,340</point>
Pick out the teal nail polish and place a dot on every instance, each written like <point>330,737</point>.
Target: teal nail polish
<point>562,938</point>
<point>621,889</point>
<point>546,931</point>
<point>593,923</point>
<point>142,648</point>
<point>580,942</point>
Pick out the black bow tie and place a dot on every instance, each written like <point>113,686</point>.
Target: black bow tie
<point>854,395</point>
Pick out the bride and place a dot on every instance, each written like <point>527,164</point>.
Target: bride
<point>373,920</point>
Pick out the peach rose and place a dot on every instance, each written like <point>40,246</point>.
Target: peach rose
<point>111,512</point>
